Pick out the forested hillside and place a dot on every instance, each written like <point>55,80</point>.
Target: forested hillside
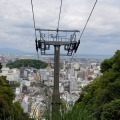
<point>101,99</point>
<point>27,62</point>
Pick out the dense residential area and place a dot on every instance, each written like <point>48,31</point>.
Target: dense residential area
<point>84,85</point>
<point>33,87</point>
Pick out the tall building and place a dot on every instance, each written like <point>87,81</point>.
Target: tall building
<point>3,61</point>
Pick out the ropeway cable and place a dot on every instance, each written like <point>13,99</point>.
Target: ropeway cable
<point>59,20</point>
<point>59,15</point>
<point>88,19</point>
<point>34,28</point>
<point>85,25</point>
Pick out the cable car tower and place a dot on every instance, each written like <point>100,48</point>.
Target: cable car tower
<point>56,38</point>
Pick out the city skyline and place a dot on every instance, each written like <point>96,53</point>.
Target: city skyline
<point>100,37</point>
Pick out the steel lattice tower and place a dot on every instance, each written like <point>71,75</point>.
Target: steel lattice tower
<point>45,41</point>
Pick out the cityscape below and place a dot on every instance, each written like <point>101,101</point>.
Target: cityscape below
<point>36,85</point>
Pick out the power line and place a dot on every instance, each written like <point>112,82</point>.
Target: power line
<point>88,19</point>
<point>59,21</point>
<point>85,26</point>
<point>34,28</point>
<point>33,18</point>
<point>59,15</point>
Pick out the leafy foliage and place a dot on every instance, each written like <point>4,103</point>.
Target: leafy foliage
<point>27,62</point>
<point>106,65</point>
<point>101,98</point>
<point>111,111</point>
<point>8,109</point>
<point>112,63</point>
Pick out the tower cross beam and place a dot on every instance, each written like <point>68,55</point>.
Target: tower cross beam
<point>57,42</point>
<point>37,29</point>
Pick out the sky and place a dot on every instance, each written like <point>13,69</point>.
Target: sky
<point>101,36</point>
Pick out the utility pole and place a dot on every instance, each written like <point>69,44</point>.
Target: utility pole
<point>70,45</point>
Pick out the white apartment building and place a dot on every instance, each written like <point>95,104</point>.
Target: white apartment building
<point>13,75</point>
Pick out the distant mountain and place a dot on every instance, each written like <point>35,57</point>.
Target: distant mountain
<point>10,51</point>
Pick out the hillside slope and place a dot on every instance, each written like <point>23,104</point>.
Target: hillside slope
<point>101,99</point>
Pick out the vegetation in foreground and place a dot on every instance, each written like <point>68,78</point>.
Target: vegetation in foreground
<point>27,62</point>
<point>8,109</point>
<point>101,99</point>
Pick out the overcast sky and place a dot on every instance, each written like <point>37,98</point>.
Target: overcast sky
<point>102,34</point>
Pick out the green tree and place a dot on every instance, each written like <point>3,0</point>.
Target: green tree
<point>8,109</point>
<point>17,84</point>
<point>111,111</point>
<point>6,96</point>
<point>106,65</point>
<point>101,98</point>
<point>27,62</point>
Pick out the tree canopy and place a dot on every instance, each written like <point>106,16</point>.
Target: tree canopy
<point>27,62</point>
<point>8,109</point>
<point>101,98</point>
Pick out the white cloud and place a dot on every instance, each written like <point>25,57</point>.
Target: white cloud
<point>101,35</point>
